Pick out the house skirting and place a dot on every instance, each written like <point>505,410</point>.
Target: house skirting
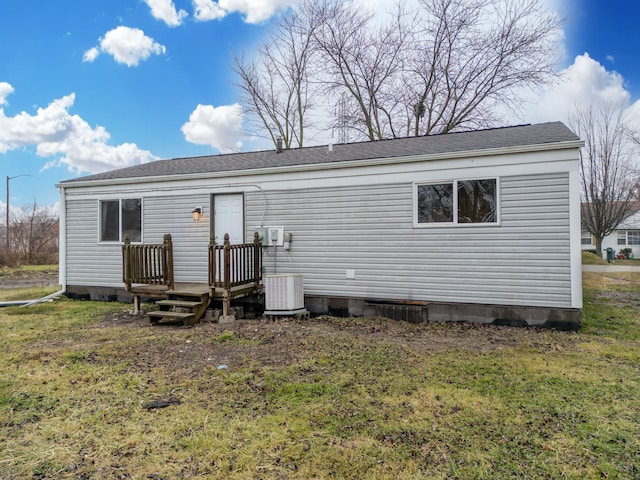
<point>416,312</point>
<point>101,294</point>
<point>511,315</point>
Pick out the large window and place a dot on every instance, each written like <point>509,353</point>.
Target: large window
<point>628,237</point>
<point>458,202</point>
<point>622,237</point>
<point>119,218</point>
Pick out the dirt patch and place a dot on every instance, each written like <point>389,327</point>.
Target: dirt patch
<point>29,278</point>
<point>619,299</point>
<point>274,343</point>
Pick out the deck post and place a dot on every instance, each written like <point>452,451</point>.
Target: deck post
<point>212,261</point>
<point>226,301</point>
<point>136,304</point>
<point>168,258</point>
<point>126,273</point>
<point>126,264</point>
<point>257,260</point>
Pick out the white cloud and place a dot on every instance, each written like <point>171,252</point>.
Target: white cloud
<point>583,82</point>
<point>207,10</point>
<point>126,45</point>
<point>254,11</point>
<point>165,10</point>
<point>20,211</point>
<point>5,90</point>
<point>57,133</point>
<point>219,127</point>
<point>91,54</point>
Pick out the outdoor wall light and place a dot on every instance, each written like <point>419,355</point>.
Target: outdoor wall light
<point>196,214</point>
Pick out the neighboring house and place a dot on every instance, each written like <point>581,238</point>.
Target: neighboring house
<point>481,225</point>
<point>626,235</point>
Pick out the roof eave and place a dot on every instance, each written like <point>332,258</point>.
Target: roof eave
<point>328,165</point>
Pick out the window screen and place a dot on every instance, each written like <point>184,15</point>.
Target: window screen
<point>119,218</point>
<point>109,221</point>
<point>460,201</point>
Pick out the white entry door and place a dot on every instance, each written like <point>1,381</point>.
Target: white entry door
<point>228,215</point>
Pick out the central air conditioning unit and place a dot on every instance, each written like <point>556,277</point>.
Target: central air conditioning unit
<point>284,292</point>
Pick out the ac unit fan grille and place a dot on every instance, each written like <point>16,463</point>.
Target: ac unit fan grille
<point>284,292</point>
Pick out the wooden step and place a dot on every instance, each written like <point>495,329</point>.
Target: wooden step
<point>156,316</point>
<point>188,292</point>
<point>179,303</point>
<point>194,297</point>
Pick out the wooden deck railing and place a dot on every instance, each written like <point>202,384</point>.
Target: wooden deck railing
<point>149,264</point>
<point>235,265</point>
<point>234,270</point>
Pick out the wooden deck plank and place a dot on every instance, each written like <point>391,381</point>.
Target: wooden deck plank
<point>193,289</point>
<point>172,315</point>
<point>149,289</point>
<point>238,290</point>
<point>178,303</point>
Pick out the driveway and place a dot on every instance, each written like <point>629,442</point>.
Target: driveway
<point>610,268</point>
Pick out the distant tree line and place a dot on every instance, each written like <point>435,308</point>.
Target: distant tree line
<point>32,237</point>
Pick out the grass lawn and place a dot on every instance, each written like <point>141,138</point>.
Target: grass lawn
<point>80,383</point>
<point>589,258</point>
<point>628,261</point>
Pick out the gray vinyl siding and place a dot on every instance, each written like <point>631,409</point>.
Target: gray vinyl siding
<point>525,260</point>
<point>86,265</point>
<point>90,262</point>
<point>172,214</point>
<point>522,261</point>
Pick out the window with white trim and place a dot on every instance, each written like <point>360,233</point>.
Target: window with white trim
<point>457,202</point>
<point>586,238</point>
<point>119,218</point>
<point>622,237</point>
<point>633,237</point>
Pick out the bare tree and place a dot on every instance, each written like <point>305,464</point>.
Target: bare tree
<point>34,236</point>
<point>471,56</point>
<point>608,168</point>
<point>276,85</point>
<point>447,65</point>
<point>363,61</point>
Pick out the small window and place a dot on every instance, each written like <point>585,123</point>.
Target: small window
<point>585,238</point>
<point>119,218</point>
<point>622,238</point>
<point>458,202</point>
<point>633,237</point>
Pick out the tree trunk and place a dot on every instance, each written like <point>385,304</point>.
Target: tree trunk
<point>599,246</point>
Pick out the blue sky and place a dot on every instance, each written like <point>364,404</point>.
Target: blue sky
<point>92,85</point>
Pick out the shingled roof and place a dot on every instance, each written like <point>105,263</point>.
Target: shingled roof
<point>517,136</point>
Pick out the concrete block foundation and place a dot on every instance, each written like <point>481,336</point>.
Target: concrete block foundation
<point>416,312</point>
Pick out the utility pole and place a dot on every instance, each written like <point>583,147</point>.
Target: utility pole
<point>341,113</point>
<point>7,219</point>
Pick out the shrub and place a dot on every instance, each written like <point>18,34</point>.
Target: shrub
<point>626,252</point>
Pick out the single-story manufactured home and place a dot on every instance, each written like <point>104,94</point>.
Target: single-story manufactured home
<point>625,236</point>
<point>472,226</point>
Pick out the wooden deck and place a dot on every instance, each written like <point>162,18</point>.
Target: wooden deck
<point>234,271</point>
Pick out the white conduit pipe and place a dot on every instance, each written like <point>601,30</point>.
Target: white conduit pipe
<point>27,303</point>
<point>62,255</point>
